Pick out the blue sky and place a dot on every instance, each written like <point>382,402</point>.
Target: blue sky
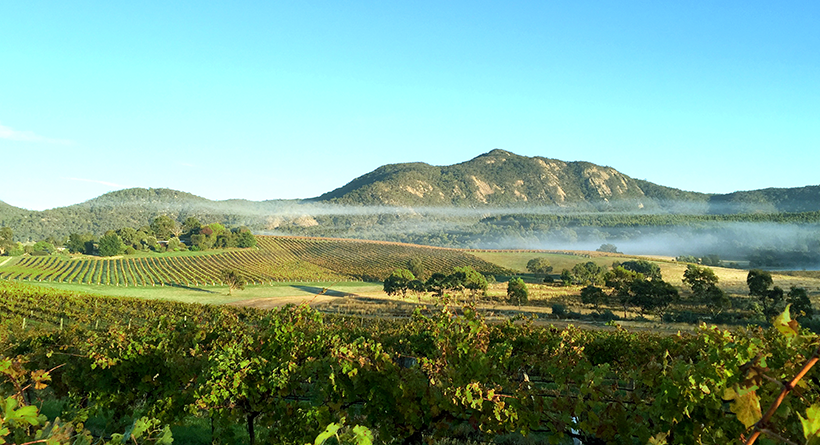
<point>290,99</point>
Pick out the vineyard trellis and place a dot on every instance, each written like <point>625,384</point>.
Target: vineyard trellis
<point>275,259</point>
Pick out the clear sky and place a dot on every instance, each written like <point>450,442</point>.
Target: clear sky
<point>290,99</point>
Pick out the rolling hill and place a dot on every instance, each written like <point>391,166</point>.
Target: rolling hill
<point>387,202</point>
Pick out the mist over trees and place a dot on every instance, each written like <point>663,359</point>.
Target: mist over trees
<point>771,228</point>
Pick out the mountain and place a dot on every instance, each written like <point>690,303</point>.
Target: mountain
<point>495,180</point>
<point>503,179</point>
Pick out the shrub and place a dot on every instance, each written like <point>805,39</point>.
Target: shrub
<point>559,310</point>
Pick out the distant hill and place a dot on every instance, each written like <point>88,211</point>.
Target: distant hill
<point>771,200</point>
<point>8,209</point>
<point>495,180</point>
<point>503,179</point>
<point>136,207</point>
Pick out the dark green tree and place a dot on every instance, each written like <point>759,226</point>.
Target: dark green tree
<point>686,259</point>
<point>129,236</point>
<point>703,282</point>
<point>652,295</point>
<point>539,266</point>
<point>594,296</point>
<point>759,282</point>
<point>588,273</point>
<point>620,280</point>
<point>43,247</point>
<point>78,243</point>
<point>566,277</point>
<point>398,282</point>
<point>699,279</point>
<point>772,300</point>
<point>711,260</point>
<point>111,244</point>
<point>56,241</point>
<point>801,305</point>
<point>437,283</point>
<point>472,280</point>
<point>245,239</point>
<point>163,227</point>
<point>517,292</point>
<point>610,248</point>
<point>6,240</point>
<point>191,226</point>
<point>649,270</point>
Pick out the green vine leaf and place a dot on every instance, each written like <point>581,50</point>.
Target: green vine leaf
<point>745,404</point>
<point>329,432</point>
<point>786,325</point>
<point>811,425</point>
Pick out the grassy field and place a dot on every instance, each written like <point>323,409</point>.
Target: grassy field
<point>218,294</point>
<point>517,260</point>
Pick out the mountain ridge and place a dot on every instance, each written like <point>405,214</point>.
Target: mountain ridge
<point>500,178</point>
<point>496,179</point>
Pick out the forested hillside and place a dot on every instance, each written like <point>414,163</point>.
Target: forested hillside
<point>498,200</point>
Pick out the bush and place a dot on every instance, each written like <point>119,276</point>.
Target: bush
<point>130,250</point>
<point>606,315</point>
<point>559,310</point>
<point>517,292</point>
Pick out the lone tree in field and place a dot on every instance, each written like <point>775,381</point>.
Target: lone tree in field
<point>759,282</point>
<point>517,292</point>
<point>594,296</point>
<point>539,266</point>
<point>703,282</point>
<point>232,279</point>
<point>609,248</point>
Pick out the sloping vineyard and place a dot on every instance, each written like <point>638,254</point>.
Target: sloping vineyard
<point>373,260</point>
<point>275,259</point>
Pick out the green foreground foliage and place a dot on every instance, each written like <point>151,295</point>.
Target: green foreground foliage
<point>292,374</point>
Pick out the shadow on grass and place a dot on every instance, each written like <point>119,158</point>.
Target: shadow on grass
<point>191,288</point>
<point>321,290</point>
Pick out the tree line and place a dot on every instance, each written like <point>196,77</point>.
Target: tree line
<point>162,234</point>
